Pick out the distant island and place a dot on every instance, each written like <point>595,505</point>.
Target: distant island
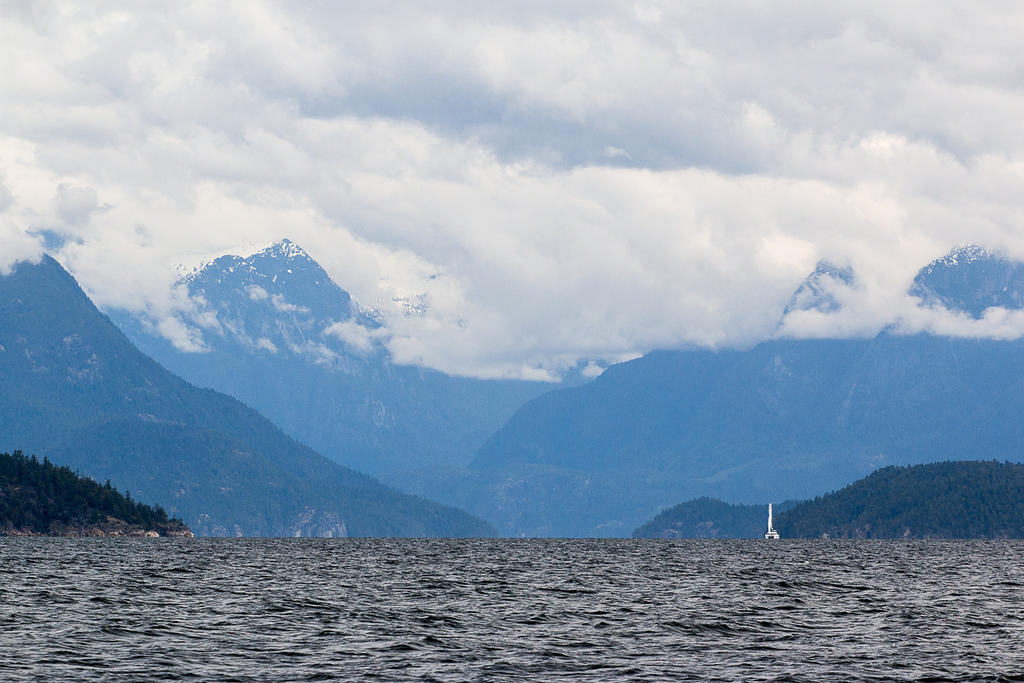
<point>44,499</point>
<point>710,518</point>
<point>940,500</point>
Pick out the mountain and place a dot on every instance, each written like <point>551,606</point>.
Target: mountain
<point>42,499</point>
<point>818,291</point>
<point>939,500</point>
<point>785,419</point>
<point>969,280</point>
<point>279,334</point>
<point>77,391</point>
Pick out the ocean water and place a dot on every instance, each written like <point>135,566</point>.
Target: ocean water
<point>517,610</point>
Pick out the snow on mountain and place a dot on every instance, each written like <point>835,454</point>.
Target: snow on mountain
<point>964,254</point>
<point>279,300</point>
<point>281,336</point>
<point>818,292</point>
<point>971,279</point>
<point>966,282</point>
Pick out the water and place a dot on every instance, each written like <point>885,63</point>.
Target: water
<point>445,610</point>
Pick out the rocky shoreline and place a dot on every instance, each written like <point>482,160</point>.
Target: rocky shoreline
<point>112,527</point>
<point>45,499</point>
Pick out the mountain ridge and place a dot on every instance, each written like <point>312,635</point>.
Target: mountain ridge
<point>275,321</point>
<point>936,500</point>
<point>971,279</point>
<point>951,499</point>
<point>786,418</point>
<point>78,391</point>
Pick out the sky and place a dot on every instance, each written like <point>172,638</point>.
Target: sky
<point>559,183</point>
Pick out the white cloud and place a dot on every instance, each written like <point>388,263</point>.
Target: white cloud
<point>266,345</point>
<point>282,306</point>
<point>76,205</point>
<point>908,317</point>
<point>183,336</point>
<point>555,182</point>
<point>536,374</point>
<point>613,152</point>
<point>360,339</point>
<point>5,196</point>
<point>16,246</point>
<point>318,353</point>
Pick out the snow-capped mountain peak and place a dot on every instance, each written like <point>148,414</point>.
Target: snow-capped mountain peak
<point>279,300</point>
<point>964,254</point>
<point>818,291</point>
<point>284,249</point>
<point>278,258</point>
<point>970,279</point>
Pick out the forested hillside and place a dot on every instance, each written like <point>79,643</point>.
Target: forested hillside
<point>279,344</point>
<point>941,500</point>
<point>785,419</point>
<point>41,498</point>
<point>77,391</point>
<point>709,518</point>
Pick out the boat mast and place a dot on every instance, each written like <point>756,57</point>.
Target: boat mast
<point>771,533</point>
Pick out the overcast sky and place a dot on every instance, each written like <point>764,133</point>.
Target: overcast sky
<point>558,181</point>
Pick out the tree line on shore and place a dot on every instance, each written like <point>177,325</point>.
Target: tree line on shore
<point>39,496</point>
<point>967,499</point>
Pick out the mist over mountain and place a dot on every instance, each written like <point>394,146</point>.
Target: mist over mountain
<point>788,418</point>
<point>818,291</point>
<point>785,419</point>
<point>969,280</point>
<point>274,330</point>
<point>77,391</point>
<point>275,300</point>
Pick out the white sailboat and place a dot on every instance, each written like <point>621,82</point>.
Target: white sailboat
<point>771,533</point>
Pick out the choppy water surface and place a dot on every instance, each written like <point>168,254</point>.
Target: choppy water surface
<point>539,610</point>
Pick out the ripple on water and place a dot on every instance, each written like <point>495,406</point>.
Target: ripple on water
<point>453,610</point>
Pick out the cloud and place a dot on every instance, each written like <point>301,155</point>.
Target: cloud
<point>183,336</point>
<point>907,317</point>
<point>75,205</point>
<point>266,345</point>
<point>16,245</point>
<point>995,323</point>
<point>554,182</point>
<point>360,339</point>
<point>5,197</point>
<point>318,353</point>
<point>616,153</point>
<point>281,305</point>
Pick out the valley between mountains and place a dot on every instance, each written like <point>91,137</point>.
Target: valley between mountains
<point>347,442</point>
